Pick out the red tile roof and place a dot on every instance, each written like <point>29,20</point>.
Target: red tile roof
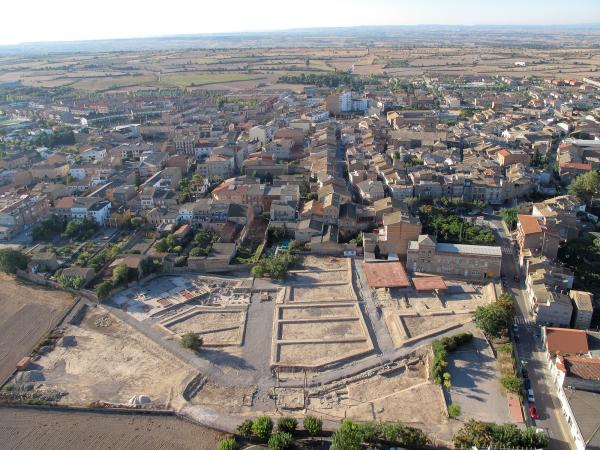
<point>429,283</point>
<point>574,165</point>
<point>566,341</point>
<point>584,368</point>
<point>529,224</point>
<point>386,275</point>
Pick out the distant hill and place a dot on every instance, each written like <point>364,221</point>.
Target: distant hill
<point>534,36</point>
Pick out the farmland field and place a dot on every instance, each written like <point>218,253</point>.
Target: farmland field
<point>27,428</point>
<point>27,313</point>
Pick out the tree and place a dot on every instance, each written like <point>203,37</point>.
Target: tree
<point>120,274</point>
<point>103,289</point>
<point>313,425</point>
<point>262,427</point>
<point>280,441</point>
<point>228,444</point>
<point>348,437</point>
<point>161,246</point>
<point>493,319</point>
<point>586,186</point>
<point>287,425</point>
<point>509,215</point>
<point>193,341</point>
<point>12,260</point>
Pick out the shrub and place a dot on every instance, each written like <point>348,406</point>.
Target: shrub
<point>348,437</point>
<point>262,427</point>
<point>103,289</point>
<point>245,428</point>
<point>193,341</point>
<point>453,410</point>
<point>227,444</point>
<point>313,425</point>
<point>280,441</point>
<point>441,348</point>
<point>512,383</point>
<point>287,425</point>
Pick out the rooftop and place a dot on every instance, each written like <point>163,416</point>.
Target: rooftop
<point>386,275</point>
<point>566,341</point>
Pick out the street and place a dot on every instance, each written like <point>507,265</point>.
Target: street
<point>528,349</point>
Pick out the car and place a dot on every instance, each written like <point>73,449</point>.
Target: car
<point>517,340</point>
<point>530,396</point>
<point>527,383</point>
<point>524,373</point>
<point>515,328</point>
<point>533,413</point>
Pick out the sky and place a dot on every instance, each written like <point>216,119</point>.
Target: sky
<point>67,20</point>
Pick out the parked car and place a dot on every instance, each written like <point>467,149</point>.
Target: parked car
<point>515,328</point>
<point>530,396</point>
<point>527,383</point>
<point>533,413</point>
<point>517,340</point>
<point>524,373</point>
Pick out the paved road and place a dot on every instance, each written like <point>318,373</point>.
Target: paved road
<point>528,350</point>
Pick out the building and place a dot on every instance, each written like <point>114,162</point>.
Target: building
<point>583,309</point>
<point>577,384</point>
<point>80,208</point>
<point>469,261</point>
<point>399,228</point>
<point>18,211</point>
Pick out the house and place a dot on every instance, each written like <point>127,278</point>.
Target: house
<point>370,191</point>
<point>80,208</point>
<point>218,260</point>
<point>577,384</point>
<point>307,229</point>
<point>509,157</point>
<point>549,306</point>
<point>583,309</point>
<point>534,239</point>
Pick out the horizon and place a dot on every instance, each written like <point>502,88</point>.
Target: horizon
<point>66,21</point>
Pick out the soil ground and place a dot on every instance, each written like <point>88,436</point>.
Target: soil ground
<point>27,313</point>
<point>27,428</point>
<point>112,364</point>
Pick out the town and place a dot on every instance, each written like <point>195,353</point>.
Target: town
<point>367,244</point>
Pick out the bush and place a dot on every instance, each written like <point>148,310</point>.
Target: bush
<point>262,427</point>
<point>245,428</point>
<point>227,444</point>
<point>313,425</point>
<point>103,289</point>
<point>512,384</point>
<point>287,425</point>
<point>453,410</point>
<point>193,341</point>
<point>441,348</point>
<point>348,437</point>
<point>483,434</point>
<point>280,441</point>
